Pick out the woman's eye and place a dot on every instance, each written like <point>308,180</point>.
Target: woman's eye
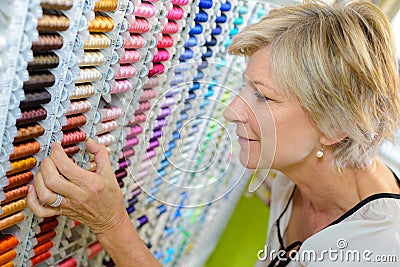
<point>262,97</point>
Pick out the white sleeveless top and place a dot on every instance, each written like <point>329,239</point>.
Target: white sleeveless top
<point>366,235</point>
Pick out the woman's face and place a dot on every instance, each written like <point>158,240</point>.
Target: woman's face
<point>273,130</point>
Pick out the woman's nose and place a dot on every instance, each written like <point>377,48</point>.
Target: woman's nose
<point>236,111</point>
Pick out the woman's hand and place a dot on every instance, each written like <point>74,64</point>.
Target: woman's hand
<point>93,199</point>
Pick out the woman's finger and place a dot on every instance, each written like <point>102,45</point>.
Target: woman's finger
<point>55,182</point>
<point>66,167</point>
<point>44,194</point>
<point>100,155</point>
<point>38,209</point>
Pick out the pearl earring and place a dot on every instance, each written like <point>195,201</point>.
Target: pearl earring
<point>320,153</point>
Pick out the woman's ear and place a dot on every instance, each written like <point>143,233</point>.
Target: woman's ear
<point>328,141</point>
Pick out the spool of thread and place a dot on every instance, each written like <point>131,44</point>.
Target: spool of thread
<point>7,243</point>
<point>170,28</point>
<point>97,41</point>
<point>57,4</point>
<point>12,207</point>
<point>225,6</point>
<point>71,150</point>
<point>22,165</point>
<point>38,80</point>
<point>39,249</point>
<point>44,61</point>
<point>87,75</point>
<point>131,142</point>
<point>139,118</point>
<point>72,137</point>
<point>180,2</point>
<point>192,41</point>
<point>157,133</point>
<point>201,17</point>
<point>120,174</point>
<point>216,31</point>
<point>82,91</point>
<point>25,149</point>
<point>124,164</point>
<point>145,10</point>
<point>101,24</point>
<point>34,99</point>
<point>147,95</point>
<point>221,19</point>
<point>158,68</point>
<point>106,5</point>
<point>11,220</point>
<point>121,86</point>
<point>106,139</point>
<point>48,225</point>
<point>106,127</point>
<point>40,258</point>
<point>125,72</point>
<point>45,236</point>
<point>18,179</point>
<point>8,256</point>
<point>111,113</point>
<point>165,42</point>
<point>141,221</point>
<point>70,262</point>
<point>74,121</point>
<point>134,41</point>
<point>143,106</point>
<point>162,55</point>
<point>52,23</point>
<point>130,56</point>
<point>176,13</point>
<point>93,250</point>
<point>197,29</point>
<point>151,83</point>
<point>91,59</point>
<point>139,25</point>
<point>205,4</point>
<point>79,106</point>
<point>28,132</point>
<point>48,42</point>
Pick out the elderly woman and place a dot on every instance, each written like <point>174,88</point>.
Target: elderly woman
<point>321,89</point>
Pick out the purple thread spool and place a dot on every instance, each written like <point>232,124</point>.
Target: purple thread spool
<point>157,133</point>
<point>121,174</point>
<point>126,153</point>
<point>142,221</point>
<point>164,113</point>
<point>150,154</point>
<point>160,123</point>
<point>136,192</point>
<point>153,144</point>
<point>124,164</point>
<point>131,142</point>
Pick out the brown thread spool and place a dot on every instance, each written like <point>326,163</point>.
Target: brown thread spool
<point>44,61</point>
<point>11,220</point>
<point>97,41</point>
<point>34,99</point>
<point>38,80</point>
<point>101,24</point>
<point>71,150</point>
<point>15,194</point>
<point>74,122</point>
<point>25,149</point>
<point>57,4</point>
<point>22,165</point>
<point>19,179</point>
<point>31,116</point>
<point>12,208</point>
<point>29,132</point>
<point>48,42</point>
<point>7,256</point>
<point>53,23</point>
<point>49,224</point>
<point>106,5</point>
<point>44,237</point>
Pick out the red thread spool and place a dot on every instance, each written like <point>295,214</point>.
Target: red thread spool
<point>7,256</point>
<point>72,137</point>
<point>176,13</point>
<point>170,28</point>
<point>70,262</point>
<point>41,258</point>
<point>71,150</point>
<point>15,194</point>
<point>162,55</point>
<point>19,179</point>
<point>157,69</point>
<point>44,237</point>
<point>74,122</point>
<point>143,106</point>
<point>94,249</point>
<point>7,243</point>
<point>165,42</point>
<point>11,220</point>
<point>25,149</point>
<point>139,25</point>
<point>48,225</point>
<point>39,249</point>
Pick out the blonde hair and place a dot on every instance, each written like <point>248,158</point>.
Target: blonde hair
<point>339,61</point>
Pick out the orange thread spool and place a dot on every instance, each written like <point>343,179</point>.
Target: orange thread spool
<point>25,149</point>
<point>19,179</point>
<point>106,5</point>
<point>97,41</point>
<point>41,258</point>
<point>11,220</point>
<point>13,207</point>
<point>39,249</point>
<point>8,264</point>
<point>44,237</point>
<point>15,194</point>
<point>7,243</point>
<point>22,165</point>
<point>53,23</point>
<point>8,256</point>
<point>101,24</point>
